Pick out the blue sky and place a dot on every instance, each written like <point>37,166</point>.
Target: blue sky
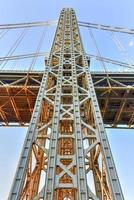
<point>117,13</point>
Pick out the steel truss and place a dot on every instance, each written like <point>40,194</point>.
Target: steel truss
<point>19,90</point>
<point>66,117</point>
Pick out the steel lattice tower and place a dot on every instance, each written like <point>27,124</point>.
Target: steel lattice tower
<point>67,117</point>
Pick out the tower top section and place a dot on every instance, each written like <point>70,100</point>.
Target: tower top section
<point>67,9</point>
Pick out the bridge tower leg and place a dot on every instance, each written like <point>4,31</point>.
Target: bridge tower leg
<point>66,140</point>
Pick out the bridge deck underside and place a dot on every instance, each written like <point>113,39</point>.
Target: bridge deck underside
<point>115,93</point>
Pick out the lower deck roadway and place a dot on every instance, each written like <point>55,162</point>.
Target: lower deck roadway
<point>115,94</point>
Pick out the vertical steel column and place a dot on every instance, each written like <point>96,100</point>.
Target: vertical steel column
<point>113,179</point>
<point>19,178</point>
<point>50,176</point>
<point>115,192</point>
<point>80,157</point>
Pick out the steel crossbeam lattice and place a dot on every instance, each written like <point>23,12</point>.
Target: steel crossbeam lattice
<point>66,138</point>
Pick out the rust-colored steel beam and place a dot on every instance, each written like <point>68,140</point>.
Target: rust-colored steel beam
<point>109,98</point>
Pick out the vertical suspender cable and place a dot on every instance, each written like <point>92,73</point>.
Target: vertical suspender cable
<point>122,49</point>
<point>37,50</point>
<point>98,51</point>
<point>3,33</point>
<point>14,46</point>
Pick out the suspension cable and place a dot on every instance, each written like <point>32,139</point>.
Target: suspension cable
<point>54,22</point>
<point>38,49</point>
<point>106,27</point>
<point>27,25</point>
<point>3,33</point>
<point>43,54</point>
<point>97,49</point>
<point>21,57</point>
<point>111,61</point>
<point>14,47</point>
<point>122,49</point>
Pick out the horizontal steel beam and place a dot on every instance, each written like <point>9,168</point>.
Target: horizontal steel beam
<point>109,97</point>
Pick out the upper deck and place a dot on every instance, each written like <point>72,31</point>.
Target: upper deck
<point>115,93</point>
